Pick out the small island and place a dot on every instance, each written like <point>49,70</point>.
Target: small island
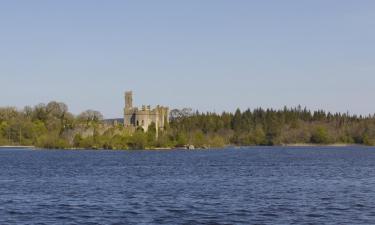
<point>52,126</point>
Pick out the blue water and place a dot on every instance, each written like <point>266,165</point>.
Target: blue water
<point>232,186</point>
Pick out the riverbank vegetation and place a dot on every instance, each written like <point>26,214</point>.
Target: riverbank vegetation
<point>53,126</point>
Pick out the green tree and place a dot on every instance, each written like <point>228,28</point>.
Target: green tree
<point>138,140</point>
<point>199,139</point>
<point>320,136</point>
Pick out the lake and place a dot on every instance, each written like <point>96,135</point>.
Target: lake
<point>257,185</point>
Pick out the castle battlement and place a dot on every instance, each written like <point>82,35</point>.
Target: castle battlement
<point>145,116</point>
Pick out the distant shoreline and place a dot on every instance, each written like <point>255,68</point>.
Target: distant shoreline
<point>172,149</point>
<point>17,146</point>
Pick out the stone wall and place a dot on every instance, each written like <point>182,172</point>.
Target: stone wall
<point>144,117</point>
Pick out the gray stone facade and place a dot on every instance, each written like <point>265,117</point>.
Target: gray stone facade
<point>145,116</point>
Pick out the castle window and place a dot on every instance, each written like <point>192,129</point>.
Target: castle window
<point>143,122</point>
<point>137,123</point>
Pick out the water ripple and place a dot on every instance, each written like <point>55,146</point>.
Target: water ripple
<point>247,186</point>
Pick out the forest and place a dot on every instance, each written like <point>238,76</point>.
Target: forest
<point>52,126</point>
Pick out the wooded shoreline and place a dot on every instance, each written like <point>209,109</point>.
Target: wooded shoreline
<point>300,145</point>
<point>52,126</point>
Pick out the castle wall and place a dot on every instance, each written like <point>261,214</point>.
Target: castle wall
<point>129,116</point>
<point>144,117</point>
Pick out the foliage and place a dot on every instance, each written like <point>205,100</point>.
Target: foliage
<point>53,126</point>
<point>320,136</point>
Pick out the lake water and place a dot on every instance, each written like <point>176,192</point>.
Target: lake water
<point>265,185</point>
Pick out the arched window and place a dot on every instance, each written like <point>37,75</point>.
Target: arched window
<point>137,123</point>
<point>143,122</point>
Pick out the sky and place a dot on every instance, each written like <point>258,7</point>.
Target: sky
<point>210,55</point>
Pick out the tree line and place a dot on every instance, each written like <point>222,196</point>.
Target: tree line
<point>279,127</point>
<point>53,126</point>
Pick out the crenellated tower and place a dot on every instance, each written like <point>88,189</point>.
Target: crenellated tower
<point>142,118</point>
<point>128,100</point>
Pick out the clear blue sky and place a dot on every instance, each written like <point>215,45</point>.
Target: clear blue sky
<point>211,55</point>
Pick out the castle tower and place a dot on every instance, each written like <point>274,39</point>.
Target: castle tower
<point>128,100</point>
<point>143,117</point>
<point>129,111</point>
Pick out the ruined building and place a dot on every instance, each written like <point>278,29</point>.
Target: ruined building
<point>144,117</point>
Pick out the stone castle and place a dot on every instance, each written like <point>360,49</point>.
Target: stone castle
<point>142,118</point>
